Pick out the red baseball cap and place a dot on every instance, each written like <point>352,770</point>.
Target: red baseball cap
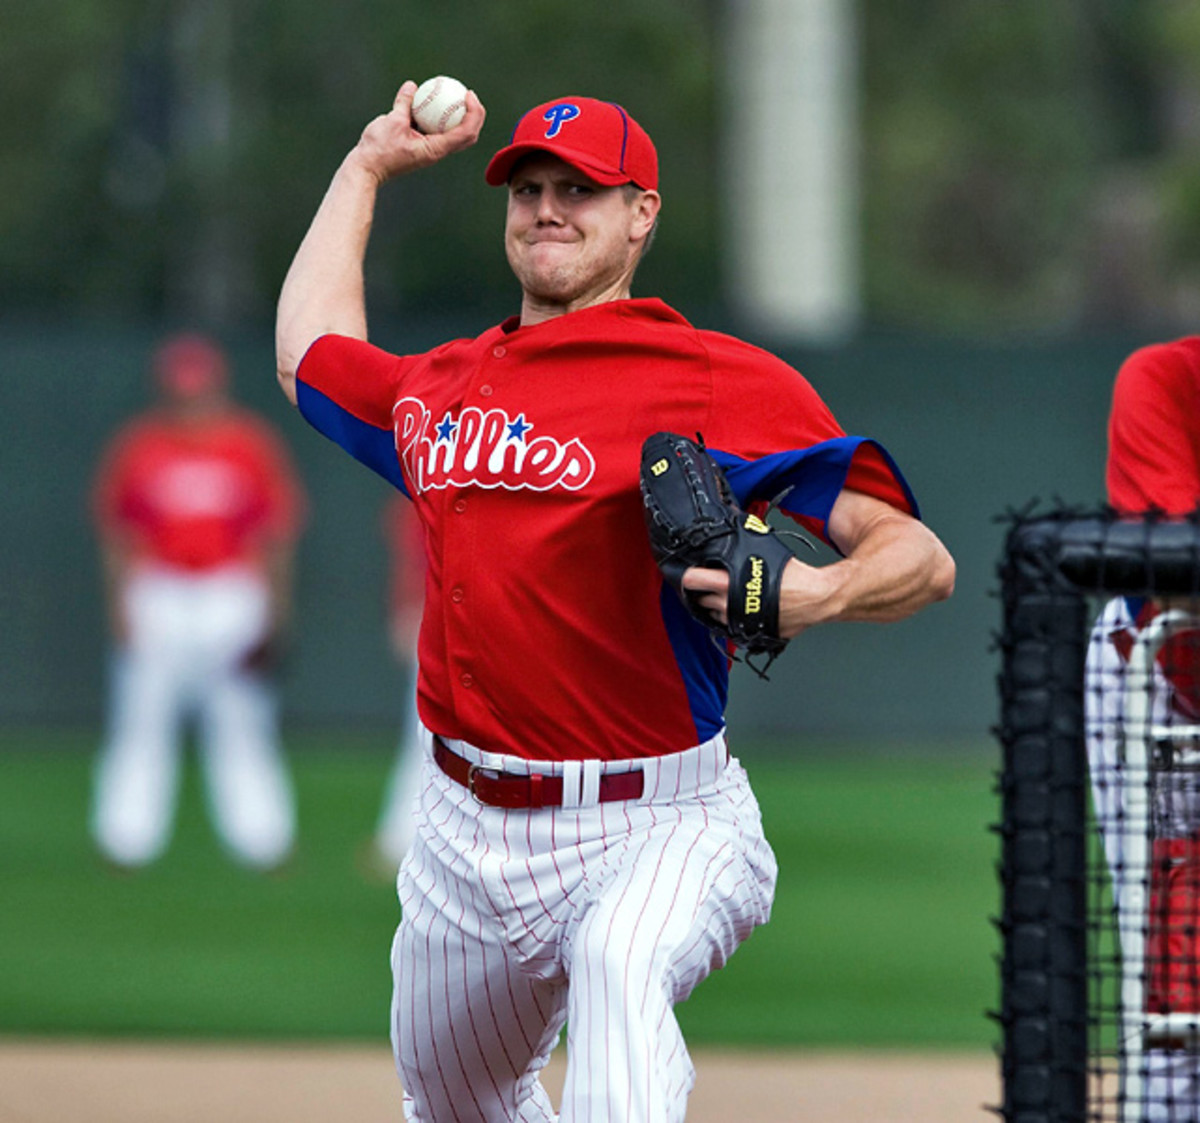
<point>597,137</point>
<point>188,365</point>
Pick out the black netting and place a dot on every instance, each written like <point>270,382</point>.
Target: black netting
<point>1100,824</point>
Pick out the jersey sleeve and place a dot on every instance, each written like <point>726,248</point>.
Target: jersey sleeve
<point>1153,458</point>
<point>797,454</point>
<point>345,389</point>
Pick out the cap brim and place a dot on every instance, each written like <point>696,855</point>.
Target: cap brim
<point>501,165</point>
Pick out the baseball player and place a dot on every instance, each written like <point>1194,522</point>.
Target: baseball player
<point>406,597</point>
<point>197,508</point>
<point>587,848</point>
<point>1154,464</point>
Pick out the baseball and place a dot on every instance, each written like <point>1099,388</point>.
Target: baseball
<point>439,104</point>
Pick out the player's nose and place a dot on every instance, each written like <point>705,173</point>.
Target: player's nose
<point>548,207</point>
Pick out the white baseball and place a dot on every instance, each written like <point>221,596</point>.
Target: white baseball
<point>439,104</point>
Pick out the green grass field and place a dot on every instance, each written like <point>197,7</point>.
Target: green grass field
<point>881,934</point>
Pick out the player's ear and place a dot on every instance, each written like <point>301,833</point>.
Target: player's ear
<point>646,210</point>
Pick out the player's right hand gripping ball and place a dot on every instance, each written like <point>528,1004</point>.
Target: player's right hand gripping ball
<point>694,520</point>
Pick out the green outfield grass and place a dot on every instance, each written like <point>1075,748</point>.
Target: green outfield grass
<point>881,934</point>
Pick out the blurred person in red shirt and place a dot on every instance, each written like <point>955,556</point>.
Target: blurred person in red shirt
<point>197,508</point>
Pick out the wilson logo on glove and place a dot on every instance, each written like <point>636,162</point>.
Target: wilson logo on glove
<point>754,587</point>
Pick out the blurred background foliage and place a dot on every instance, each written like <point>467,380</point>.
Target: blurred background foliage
<point>1027,166</point>
<point>1031,165</point>
<point>149,149</point>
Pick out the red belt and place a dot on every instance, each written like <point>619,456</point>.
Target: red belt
<point>513,791</point>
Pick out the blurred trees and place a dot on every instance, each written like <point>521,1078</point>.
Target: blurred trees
<point>1034,164</point>
<point>1026,166</point>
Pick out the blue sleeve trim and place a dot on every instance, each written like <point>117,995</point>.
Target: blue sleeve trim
<point>703,666</point>
<point>368,444</point>
<point>812,478</point>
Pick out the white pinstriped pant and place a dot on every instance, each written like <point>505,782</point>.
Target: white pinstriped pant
<point>600,917</point>
<point>1171,1076</point>
<point>188,635</point>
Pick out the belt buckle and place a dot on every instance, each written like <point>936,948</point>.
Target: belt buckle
<point>471,772</point>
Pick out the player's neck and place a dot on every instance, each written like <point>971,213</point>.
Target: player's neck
<point>190,414</point>
<point>536,311</point>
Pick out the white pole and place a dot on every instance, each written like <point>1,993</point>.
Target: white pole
<point>207,260</point>
<point>790,160</point>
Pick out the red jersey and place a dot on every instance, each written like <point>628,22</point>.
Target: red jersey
<point>201,495</point>
<point>548,632</point>
<point>1153,433</point>
<point>1154,463</point>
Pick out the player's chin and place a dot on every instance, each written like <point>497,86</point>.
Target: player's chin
<point>552,286</point>
<point>547,264</point>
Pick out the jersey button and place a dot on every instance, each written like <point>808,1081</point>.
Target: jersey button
<point>457,595</point>
<point>467,680</point>
<point>460,505</point>
<point>485,391</point>
<point>499,352</point>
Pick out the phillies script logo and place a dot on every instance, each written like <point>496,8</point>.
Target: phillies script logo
<point>489,449</point>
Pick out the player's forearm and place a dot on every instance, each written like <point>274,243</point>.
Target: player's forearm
<point>279,569</point>
<point>324,291</point>
<point>116,559</point>
<point>897,568</point>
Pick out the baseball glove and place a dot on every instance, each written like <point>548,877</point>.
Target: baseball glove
<point>694,520</point>
<point>265,656</point>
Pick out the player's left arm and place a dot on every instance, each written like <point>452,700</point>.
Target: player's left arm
<point>116,556</point>
<point>279,570</point>
<point>266,654</point>
<point>278,519</point>
<point>892,566</point>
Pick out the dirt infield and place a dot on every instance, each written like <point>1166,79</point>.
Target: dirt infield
<point>56,1082</point>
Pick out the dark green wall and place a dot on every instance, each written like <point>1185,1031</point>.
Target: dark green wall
<point>979,428</point>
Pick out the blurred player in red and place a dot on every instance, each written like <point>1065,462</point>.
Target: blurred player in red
<point>406,600</point>
<point>197,508</point>
<point>1154,465</point>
